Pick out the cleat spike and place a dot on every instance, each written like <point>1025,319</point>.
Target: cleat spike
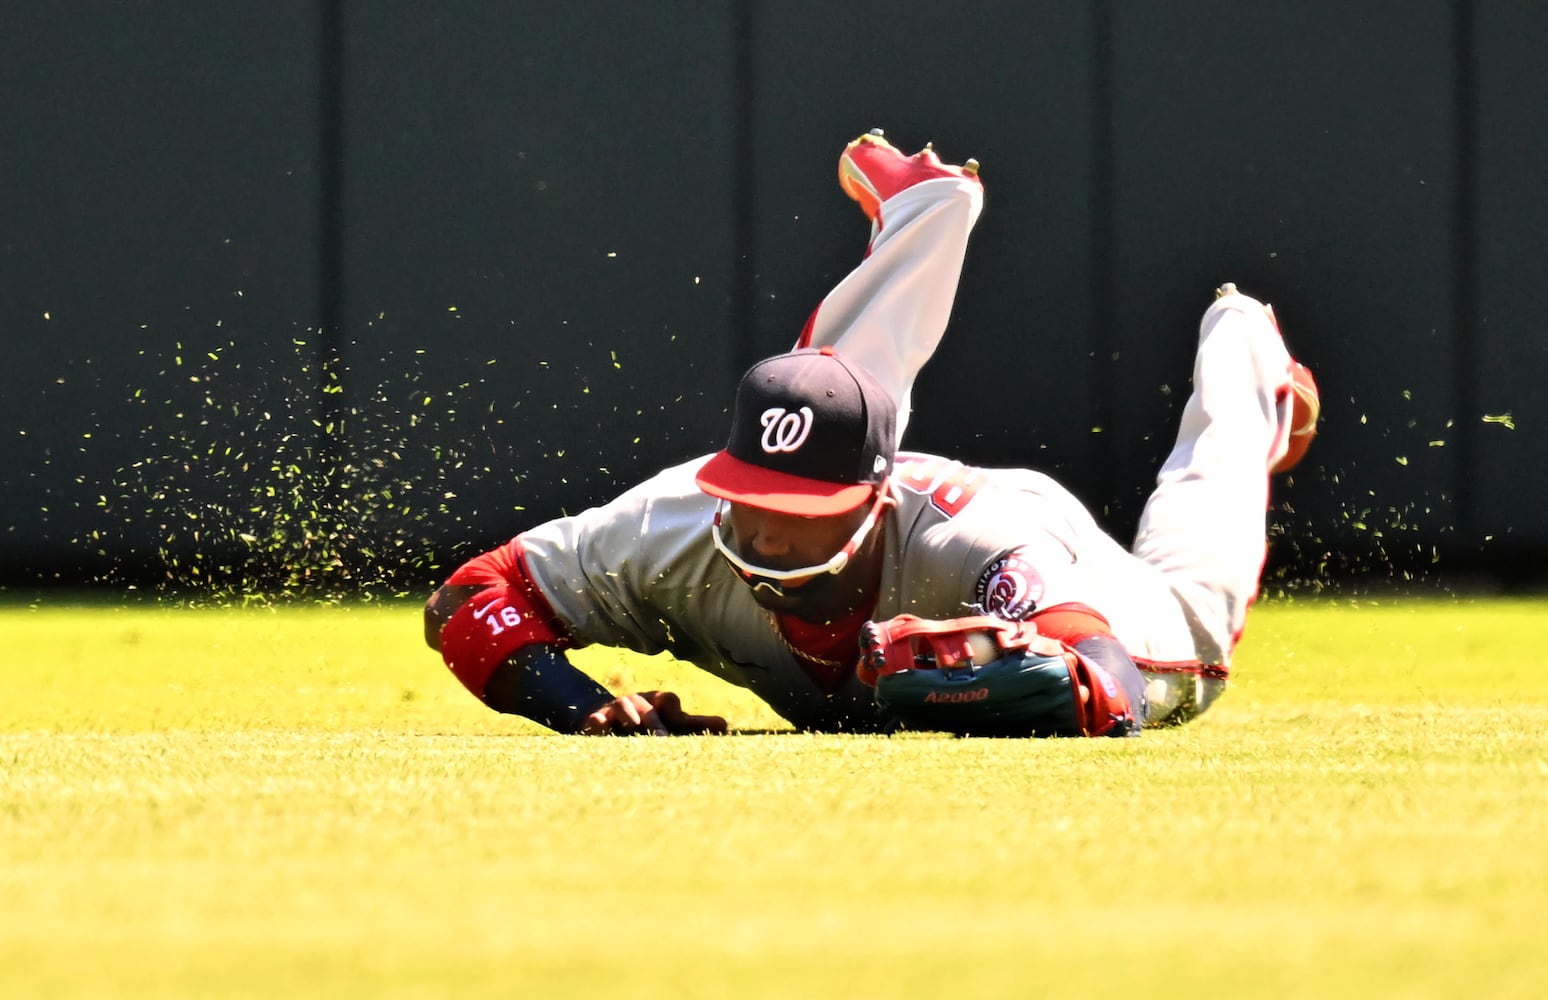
<point>1229,288</point>
<point>970,167</point>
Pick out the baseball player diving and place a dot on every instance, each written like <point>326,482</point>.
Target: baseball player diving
<point>856,588</point>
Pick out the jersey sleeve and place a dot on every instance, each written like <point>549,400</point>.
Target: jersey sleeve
<point>628,573</point>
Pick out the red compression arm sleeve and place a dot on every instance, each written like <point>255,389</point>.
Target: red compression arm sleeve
<point>495,623</point>
<point>508,614</point>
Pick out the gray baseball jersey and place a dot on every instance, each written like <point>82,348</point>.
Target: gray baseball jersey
<point>641,572</point>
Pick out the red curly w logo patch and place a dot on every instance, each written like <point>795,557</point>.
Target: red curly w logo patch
<point>1010,588</point>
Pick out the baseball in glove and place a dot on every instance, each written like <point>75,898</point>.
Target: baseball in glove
<point>984,676</point>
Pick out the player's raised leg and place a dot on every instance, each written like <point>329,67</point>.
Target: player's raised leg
<point>890,312</point>
<point>1253,410</point>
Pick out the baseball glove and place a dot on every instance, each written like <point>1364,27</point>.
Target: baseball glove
<point>984,676</point>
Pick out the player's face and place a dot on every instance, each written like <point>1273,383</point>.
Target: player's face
<point>772,551</point>
<point>787,541</point>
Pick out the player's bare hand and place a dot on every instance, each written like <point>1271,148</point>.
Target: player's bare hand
<point>653,713</point>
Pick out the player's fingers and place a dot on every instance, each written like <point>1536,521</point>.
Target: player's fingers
<point>623,716</point>
<point>653,724</point>
<point>642,716</point>
<point>628,718</point>
<point>600,722</point>
<point>666,702</point>
<point>670,708</point>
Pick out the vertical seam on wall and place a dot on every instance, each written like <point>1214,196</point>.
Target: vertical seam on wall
<point>1464,222</point>
<point>743,186</point>
<point>329,355</point>
<point>1102,407</point>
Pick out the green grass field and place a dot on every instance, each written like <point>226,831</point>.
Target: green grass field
<point>302,802</point>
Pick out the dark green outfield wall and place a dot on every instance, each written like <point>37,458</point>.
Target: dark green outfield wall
<point>376,285</point>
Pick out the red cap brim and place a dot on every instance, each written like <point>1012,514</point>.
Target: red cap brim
<point>730,478</point>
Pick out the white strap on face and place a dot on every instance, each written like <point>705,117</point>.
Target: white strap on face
<point>773,579</point>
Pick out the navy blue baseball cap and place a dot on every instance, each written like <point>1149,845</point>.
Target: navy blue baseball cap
<point>811,434</point>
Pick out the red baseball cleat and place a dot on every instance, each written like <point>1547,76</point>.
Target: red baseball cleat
<point>1304,411</point>
<point>871,170</point>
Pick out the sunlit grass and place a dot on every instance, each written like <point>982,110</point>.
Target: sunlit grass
<point>302,802</point>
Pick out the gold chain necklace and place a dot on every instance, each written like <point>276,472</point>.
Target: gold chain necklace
<point>801,653</point>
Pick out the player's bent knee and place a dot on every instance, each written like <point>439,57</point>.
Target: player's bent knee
<point>1177,697</point>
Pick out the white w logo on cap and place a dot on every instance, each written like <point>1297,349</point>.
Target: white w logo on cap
<point>783,430</point>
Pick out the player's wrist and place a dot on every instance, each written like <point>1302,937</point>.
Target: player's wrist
<point>538,683</point>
